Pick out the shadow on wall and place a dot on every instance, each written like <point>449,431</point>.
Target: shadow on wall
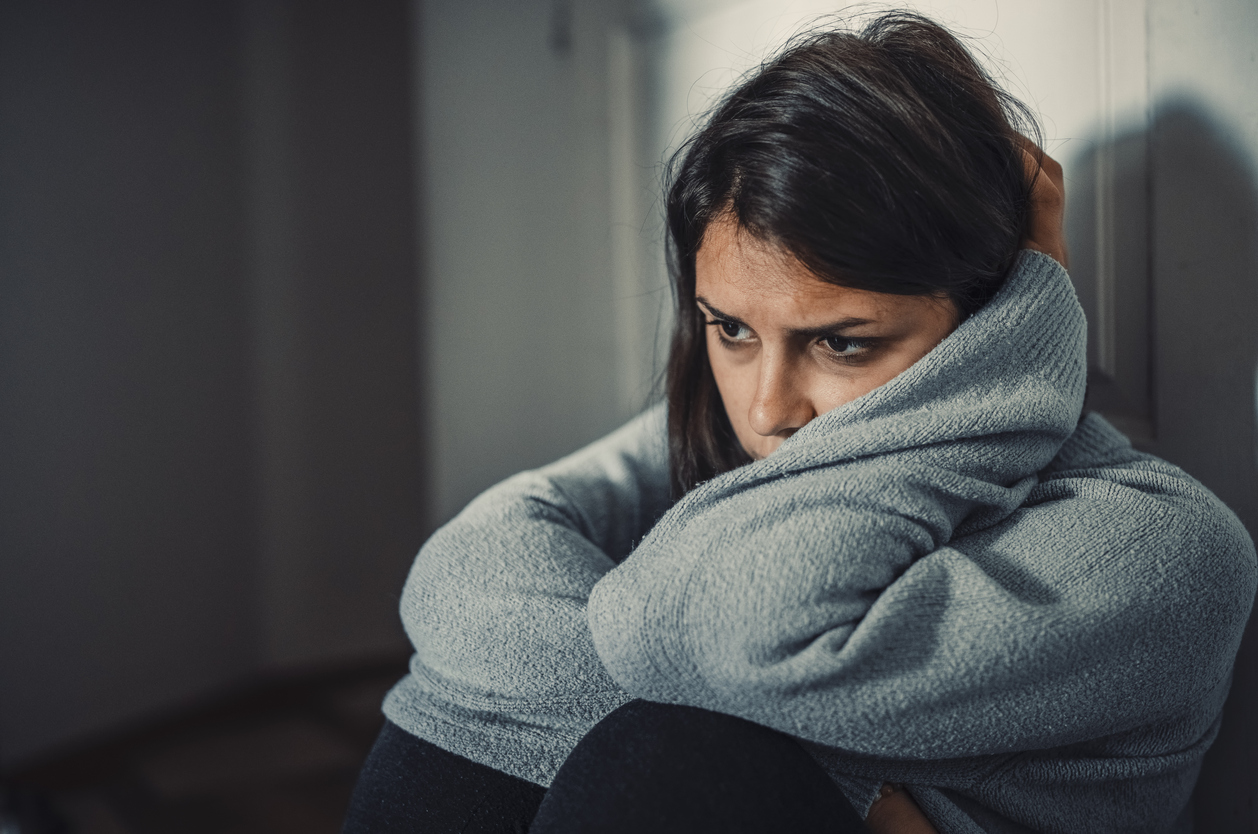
<point>1120,376</point>
<point>1205,256</point>
<point>1182,379</point>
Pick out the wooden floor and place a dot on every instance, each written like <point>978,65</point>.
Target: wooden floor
<point>278,758</point>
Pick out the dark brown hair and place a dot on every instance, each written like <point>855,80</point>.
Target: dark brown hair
<point>883,159</point>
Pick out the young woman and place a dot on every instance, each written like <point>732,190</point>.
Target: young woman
<point>867,568</point>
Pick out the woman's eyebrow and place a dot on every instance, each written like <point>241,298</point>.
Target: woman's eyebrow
<point>713,310</point>
<point>828,329</point>
<point>815,332</point>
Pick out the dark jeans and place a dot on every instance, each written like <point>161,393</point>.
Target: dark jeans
<point>645,768</point>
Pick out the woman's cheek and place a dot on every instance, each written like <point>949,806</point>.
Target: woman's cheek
<point>736,386</point>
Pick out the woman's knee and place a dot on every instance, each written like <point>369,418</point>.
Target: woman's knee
<point>662,767</point>
<point>409,785</point>
<point>656,730</point>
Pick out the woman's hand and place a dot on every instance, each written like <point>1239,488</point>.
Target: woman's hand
<point>895,812</point>
<point>1045,230</point>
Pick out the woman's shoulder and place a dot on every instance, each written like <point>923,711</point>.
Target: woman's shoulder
<point>1094,443</point>
<point>1121,491</point>
<point>1097,451</point>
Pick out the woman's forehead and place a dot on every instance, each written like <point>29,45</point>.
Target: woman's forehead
<point>742,276</point>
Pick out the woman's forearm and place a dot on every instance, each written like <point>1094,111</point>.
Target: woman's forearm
<point>1067,621</point>
<point>495,600</point>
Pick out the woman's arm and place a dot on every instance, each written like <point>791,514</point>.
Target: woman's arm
<point>838,611</point>
<point>495,601</point>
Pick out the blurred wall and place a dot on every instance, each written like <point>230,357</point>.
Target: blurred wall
<point>521,318</point>
<point>1203,59</point>
<point>209,447</point>
<point>334,303</point>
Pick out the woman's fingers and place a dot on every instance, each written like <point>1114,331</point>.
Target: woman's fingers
<point>895,812</point>
<point>1045,226</point>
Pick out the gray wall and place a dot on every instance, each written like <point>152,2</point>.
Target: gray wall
<point>1204,236</point>
<point>124,482</point>
<point>521,317</point>
<point>209,444</point>
<point>334,305</point>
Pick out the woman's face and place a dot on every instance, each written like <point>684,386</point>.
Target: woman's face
<point>786,346</point>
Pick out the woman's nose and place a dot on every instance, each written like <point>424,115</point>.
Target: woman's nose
<point>779,407</point>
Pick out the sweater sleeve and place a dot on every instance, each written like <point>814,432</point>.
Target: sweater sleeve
<point>840,608</point>
<point>495,600</point>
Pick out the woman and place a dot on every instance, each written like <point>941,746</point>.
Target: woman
<point>869,544</point>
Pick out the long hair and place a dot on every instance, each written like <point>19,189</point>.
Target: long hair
<point>883,159</point>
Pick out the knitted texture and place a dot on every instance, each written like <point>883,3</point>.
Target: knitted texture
<point>951,583</point>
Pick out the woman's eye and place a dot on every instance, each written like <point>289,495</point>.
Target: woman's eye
<point>731,331</point>
<point>845,348</point>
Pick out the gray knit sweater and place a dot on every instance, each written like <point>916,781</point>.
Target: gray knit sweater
<point>951,582</point>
